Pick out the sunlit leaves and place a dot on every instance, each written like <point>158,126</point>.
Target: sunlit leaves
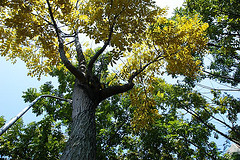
<point>168,46</point>
<point>169,42</point>
<point>140,36</point>
<point>178,40</point>
<point>129,17</point>
<point>26,35</point>
<point>27,30</point>
<point>29,33</point>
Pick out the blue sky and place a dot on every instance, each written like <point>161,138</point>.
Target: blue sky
<point>13,82</point>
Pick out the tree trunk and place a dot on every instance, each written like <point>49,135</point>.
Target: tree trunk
<point>82,141</point>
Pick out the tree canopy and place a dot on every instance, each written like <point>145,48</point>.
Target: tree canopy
<point>223,32</point>
<point>143,42</point>
<point>222,64</point>
<point>138,45</point>
<point>128,25</point>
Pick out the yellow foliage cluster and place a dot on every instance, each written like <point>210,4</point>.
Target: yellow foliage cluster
<point>25,35</point>
<point>179,39</point>
<point>27,32</point>
<point>128,18</point>
<point>169,47</point>
<point>146,111</point>
<point>169,44</point>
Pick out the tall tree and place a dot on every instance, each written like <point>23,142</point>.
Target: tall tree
<point>43,33</point>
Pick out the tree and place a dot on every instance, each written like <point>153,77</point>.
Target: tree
<point>223,68</point>
<point>44,33</point>
<point>223,32</point>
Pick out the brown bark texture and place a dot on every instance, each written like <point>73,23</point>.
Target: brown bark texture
<point>82,140</point>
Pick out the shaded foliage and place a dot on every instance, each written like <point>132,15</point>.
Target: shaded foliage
<point>175,133</point>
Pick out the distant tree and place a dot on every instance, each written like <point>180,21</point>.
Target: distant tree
<point>223,34</point>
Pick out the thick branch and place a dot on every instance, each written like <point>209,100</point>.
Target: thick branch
<point>113,90</point>
<point>142,69</point>
<point>79,75</point>
<point>158,58</point>
<point>95,57</point>
<point>110,91</point>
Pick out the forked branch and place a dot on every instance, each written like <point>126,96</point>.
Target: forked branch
<point>95,57</point>
<point>113,90</point>
<point>79,75</point>
<point>99,52</point>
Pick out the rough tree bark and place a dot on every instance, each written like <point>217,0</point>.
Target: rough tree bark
<point>82,140</point>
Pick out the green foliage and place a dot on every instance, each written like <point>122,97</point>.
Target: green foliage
<point>175,133</point>
<point>41,140</point>
<point>56,109</point>
<point>223,18</point>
